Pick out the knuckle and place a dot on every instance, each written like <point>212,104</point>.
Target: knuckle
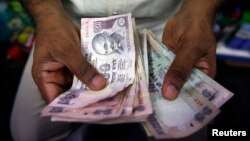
<point>83,69</point>
<point>86,71</point>
<point>180,72</point>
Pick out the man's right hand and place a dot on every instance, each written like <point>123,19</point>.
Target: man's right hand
<point>57,55</point>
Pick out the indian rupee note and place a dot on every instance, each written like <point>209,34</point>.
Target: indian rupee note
<point>108,44</point>
<point>209,88</point>
<point>179,118</point>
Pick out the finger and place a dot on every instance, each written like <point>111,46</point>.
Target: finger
<point>47,87</point>
<point>202,64</point>
<point>207,66</point>
<point>61,77</point>
<point>50,91</point>
<point>178,72</point>
<point>84,71</point>
<point>51,83</point>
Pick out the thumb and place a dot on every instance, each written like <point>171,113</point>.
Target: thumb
<point>85,72</point>
<point>178,73</point>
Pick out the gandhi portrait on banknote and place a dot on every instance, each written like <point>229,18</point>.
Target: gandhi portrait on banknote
<point>108,42</point>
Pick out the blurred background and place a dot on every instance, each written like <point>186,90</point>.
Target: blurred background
<point>16,40</point>
<point>232,30</point>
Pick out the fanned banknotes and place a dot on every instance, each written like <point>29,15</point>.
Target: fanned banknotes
<point>134,64</point>
<point>109,45</point>
<point>196,105</point>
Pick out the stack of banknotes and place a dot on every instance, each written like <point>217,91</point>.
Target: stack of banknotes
<point>134,64</point>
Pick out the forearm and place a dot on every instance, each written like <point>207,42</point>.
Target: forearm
<point>44,10</point>
<point>202,9</point>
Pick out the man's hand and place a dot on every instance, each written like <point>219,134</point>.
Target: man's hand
<point>57,55</point>
<point>190,36</point>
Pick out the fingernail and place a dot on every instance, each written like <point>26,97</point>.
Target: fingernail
<point>171,92</point>
<point>98,82</point>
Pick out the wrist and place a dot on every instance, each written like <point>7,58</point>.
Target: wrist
<point>44,10</point>
<point>204,10</point>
